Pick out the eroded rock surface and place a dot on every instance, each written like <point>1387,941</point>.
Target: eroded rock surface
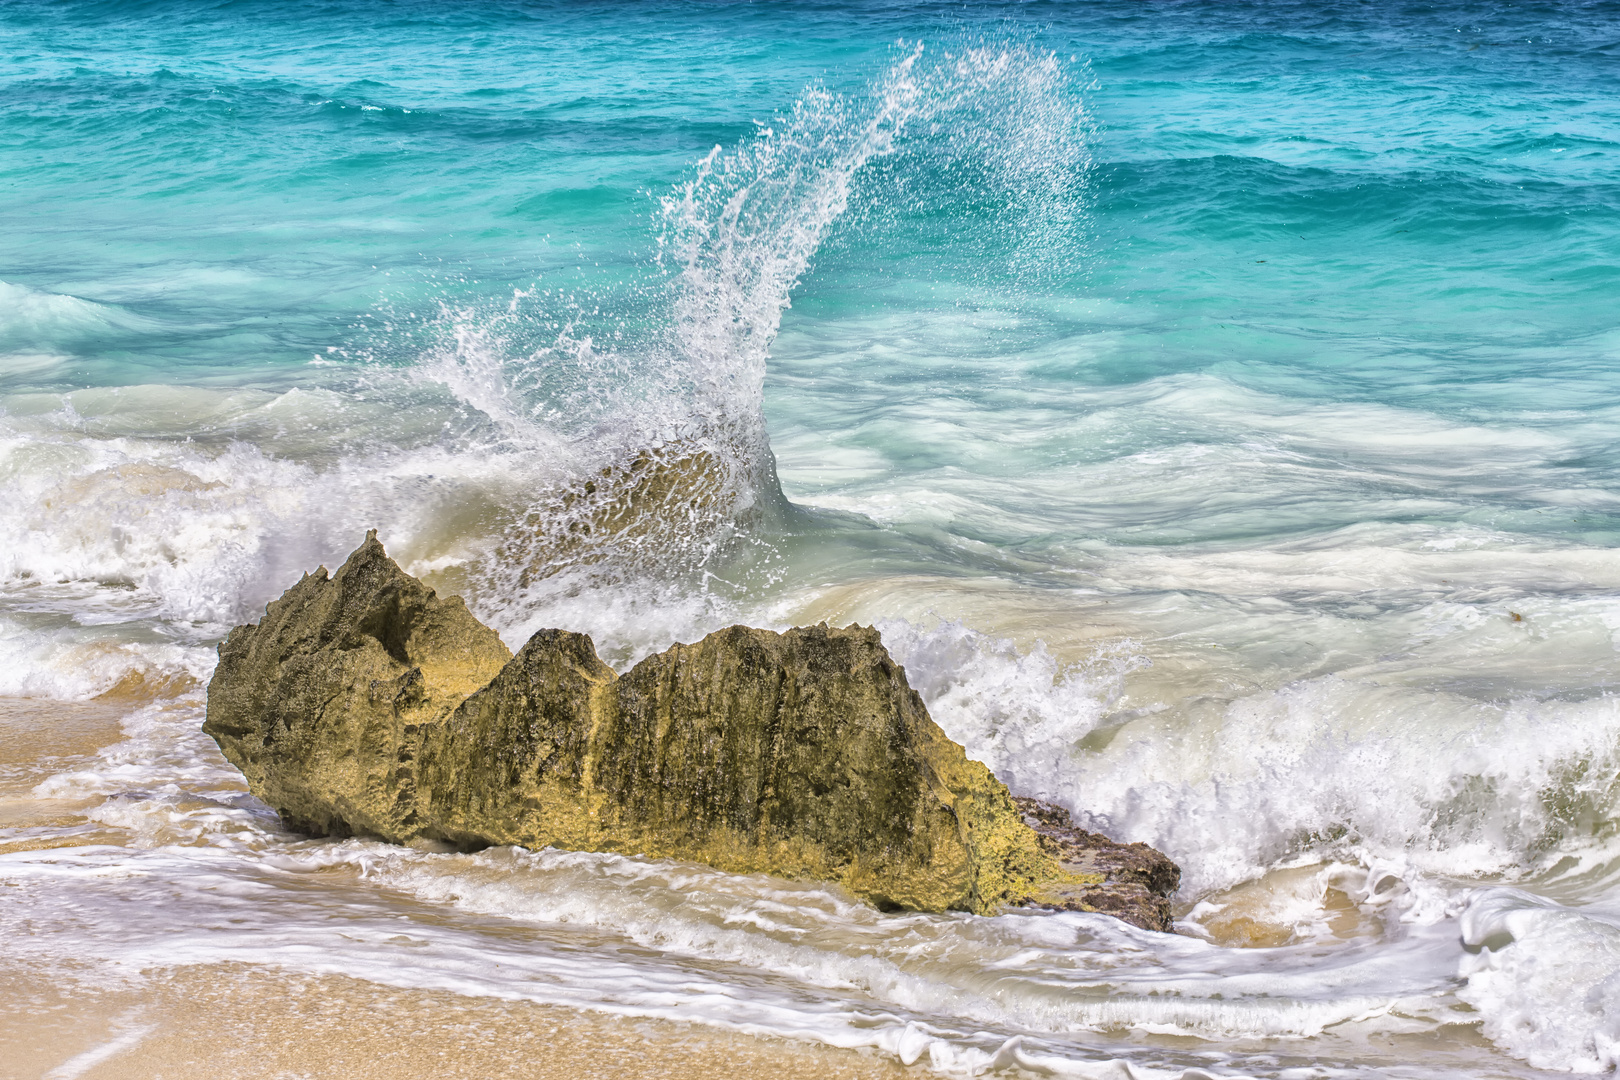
<point>364,704</point>
<point>803,754</point>
<point>1132,882</point>
<point>323,704</point>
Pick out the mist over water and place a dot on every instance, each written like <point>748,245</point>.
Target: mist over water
<point>1211,404</point>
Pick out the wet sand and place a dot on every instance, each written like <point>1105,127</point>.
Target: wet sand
<point>224,1023</point>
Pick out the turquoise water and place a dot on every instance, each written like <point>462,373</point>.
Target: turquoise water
<point>1213,404</point>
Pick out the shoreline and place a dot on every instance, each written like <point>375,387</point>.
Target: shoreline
<point>218,1022</point>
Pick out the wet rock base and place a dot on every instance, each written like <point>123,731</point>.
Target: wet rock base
<point>1132,882</point>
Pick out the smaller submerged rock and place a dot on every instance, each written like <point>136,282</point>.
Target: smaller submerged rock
<point>365,704</point>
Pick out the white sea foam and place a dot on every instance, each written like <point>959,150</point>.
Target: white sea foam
<point>75,663</point>
<point>1182,458</point>
<point>207,533</point>
<point>127,1032</point>
<point>1546,978</point>
<point>1396,776</point>
<point>1019,712</point>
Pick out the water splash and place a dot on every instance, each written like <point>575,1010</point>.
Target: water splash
<point>744,228</point>
<point>567,439</point>
<point>673,475</point>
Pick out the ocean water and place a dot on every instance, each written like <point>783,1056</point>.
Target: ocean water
<point>1214,404</point>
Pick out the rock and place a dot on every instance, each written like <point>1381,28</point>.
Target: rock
<point>364,704</point>
<point>322,705</point>
<point>662,508</point>
<point>803,754</point>
<point>1132,882</point>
